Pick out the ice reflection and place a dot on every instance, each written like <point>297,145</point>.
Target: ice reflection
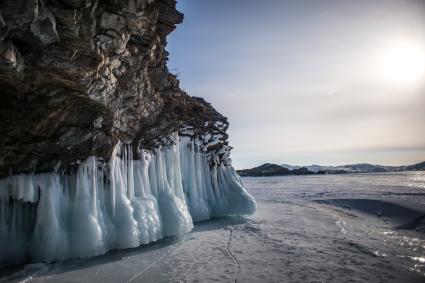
<point>414,249</point>
<point>417,180</point>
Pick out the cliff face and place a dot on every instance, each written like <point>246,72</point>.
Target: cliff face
<point>99,147</point>
<point>78,76</point>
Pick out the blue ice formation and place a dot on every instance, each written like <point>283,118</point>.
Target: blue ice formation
<point>120,204</point>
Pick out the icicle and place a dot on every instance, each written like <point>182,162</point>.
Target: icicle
<point>130,173</point>
<point>119,205</point>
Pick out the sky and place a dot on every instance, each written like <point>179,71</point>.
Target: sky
<point>305,82</point>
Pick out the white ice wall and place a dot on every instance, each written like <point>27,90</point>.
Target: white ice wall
<point>122,204</point>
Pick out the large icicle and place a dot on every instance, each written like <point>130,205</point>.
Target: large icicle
<point>125,203</point>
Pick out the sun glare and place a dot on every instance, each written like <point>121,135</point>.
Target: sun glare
<point>404,63</point>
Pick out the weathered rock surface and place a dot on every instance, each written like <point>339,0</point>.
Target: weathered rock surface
<point>77,76</point>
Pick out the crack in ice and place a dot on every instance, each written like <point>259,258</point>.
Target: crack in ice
<point>156,261</point>
<point>237,264</point>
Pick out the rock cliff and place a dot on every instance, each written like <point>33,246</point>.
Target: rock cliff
<point>99,147</point>
<point>78,76</point>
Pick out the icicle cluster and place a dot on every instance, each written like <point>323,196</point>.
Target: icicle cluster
<point>122,204</point>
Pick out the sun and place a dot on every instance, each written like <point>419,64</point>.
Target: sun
<point>404,63</point>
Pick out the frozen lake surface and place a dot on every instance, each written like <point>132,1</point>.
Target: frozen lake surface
<point>331,228</point>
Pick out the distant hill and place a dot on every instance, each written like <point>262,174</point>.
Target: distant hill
<point>290,167</point>
<point>269,169</point>
<point>266,169</point>
<point>416,167</point>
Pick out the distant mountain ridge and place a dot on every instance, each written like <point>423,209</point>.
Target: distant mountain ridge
<point>352,168</point>
<point>361,168</point>
<point>269,169</point>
